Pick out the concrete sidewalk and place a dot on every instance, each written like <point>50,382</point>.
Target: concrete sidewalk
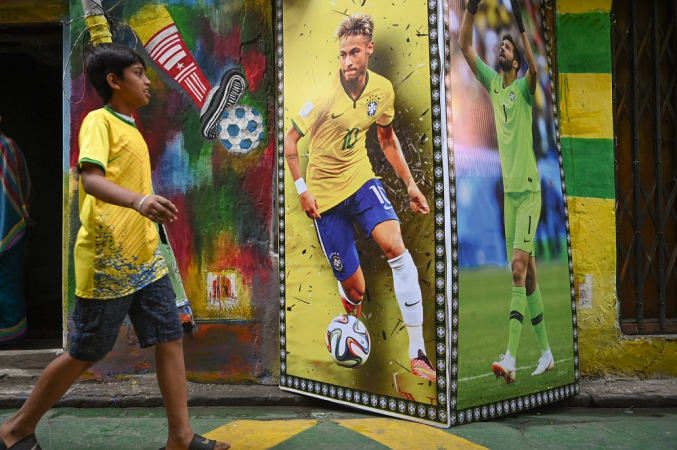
<point>19,371</point>
<point>142,391</point>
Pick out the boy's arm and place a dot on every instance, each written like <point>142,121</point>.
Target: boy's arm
<point>465,36</point>
<point>532,73</point>
<point>393,151</point>
<point>156,208</point>
<point>291,154</point>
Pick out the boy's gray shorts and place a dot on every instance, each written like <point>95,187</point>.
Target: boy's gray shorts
<point>152,310</point>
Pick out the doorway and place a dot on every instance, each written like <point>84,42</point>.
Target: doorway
<point>31,104</point>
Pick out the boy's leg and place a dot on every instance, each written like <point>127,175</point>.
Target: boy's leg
<point>53,383</point>
<point>96,326</point>
<point>171,377</point>
<point>156,321</point>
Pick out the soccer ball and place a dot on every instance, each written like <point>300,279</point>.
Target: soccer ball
<point>348,341</point>
<point>241,129</point>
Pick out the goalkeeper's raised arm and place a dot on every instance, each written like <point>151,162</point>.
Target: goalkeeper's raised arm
<point>532,73</point>
<point>465,36</point>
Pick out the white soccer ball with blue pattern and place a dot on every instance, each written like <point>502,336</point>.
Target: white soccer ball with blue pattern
<point>241,129</point>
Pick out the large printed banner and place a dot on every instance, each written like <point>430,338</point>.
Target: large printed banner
<point>425,265</point>
<point>360,122</point>
<point>516,335</point>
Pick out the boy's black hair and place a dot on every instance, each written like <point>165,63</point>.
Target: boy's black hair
<point>517,56</point>
<point>103,59</point>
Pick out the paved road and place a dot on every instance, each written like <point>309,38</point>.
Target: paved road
<point>336,429</point>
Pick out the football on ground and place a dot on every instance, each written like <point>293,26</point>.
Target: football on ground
<point>348,341</point>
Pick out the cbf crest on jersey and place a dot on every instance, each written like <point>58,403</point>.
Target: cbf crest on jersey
<point>372,105</point>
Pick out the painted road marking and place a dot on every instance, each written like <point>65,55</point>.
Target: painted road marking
<point>402,435</point>
<point>491,374</point>
<point>259,434</point>
<point>394,434</point>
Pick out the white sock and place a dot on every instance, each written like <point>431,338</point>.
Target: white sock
<point>408,294</point>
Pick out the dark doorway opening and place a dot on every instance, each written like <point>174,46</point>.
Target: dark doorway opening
<point>31,103</point>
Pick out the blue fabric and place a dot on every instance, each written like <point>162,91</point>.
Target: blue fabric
<point>369,206</point>
<point>12,299</point>
<point>152,310</point>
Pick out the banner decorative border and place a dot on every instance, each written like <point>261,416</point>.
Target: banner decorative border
<point>398,407</point>
<point>547,396</point>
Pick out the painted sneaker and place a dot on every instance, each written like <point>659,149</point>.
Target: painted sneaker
<point>545,363</point>
<point>352,308</point>
<point>421,367</point>
<point>223,96</point>
<point>505,368</point>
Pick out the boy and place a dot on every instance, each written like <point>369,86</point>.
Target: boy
<point>118,266</point>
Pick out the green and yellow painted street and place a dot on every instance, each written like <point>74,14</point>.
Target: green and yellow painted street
<point>299,428</point>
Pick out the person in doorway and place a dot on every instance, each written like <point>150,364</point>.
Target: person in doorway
<point>17,194</point>
<point>119,269</point>
<point>342,187</point>
<point>512,99</point>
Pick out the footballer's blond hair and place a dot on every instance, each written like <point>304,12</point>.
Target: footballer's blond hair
<point>355,25</point>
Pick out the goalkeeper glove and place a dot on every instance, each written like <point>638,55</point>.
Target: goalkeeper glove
<point>472,6</point>
<point>517,11</point>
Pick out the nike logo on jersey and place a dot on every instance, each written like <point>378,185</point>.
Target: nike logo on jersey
<point>333,116</point>
<point>526,240</point>
<point>495,91</point>
<point>415,303</point>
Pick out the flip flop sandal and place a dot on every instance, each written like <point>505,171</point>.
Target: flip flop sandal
<point>198,443</point>
<point>27,443</point>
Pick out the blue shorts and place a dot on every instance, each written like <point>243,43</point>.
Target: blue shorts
<point>152,310</point>
<point>369,206</point>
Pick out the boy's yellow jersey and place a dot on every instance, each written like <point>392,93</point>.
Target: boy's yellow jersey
<point>116,251</point>
<point>338,124</point>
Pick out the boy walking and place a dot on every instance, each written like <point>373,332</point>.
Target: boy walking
<point>118,266</point>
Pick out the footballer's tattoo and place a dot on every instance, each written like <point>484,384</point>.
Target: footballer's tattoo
<point>292,156</point>
<point>387,144</point>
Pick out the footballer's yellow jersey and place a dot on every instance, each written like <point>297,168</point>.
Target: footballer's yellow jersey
<point>116,250</point>
<point>338,163</point>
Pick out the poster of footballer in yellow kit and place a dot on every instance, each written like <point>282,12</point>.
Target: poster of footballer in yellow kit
<point>362,269</point>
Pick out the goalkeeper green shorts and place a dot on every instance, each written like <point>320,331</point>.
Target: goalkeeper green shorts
<point>522,211</point>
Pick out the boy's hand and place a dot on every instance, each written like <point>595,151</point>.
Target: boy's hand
<point>158,209</point>
<point>517,11</point>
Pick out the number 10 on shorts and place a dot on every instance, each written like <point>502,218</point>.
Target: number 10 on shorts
<point>380,194</point>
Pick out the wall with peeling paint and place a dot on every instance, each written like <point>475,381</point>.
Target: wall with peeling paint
<point>222,240</point>
<point>586,115</point>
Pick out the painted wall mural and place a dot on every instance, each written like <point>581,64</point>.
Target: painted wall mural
<point>207,132</point>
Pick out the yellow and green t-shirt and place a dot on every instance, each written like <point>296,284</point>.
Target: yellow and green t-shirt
<point>512,113</point>
<point>116,251</point>
<point>338,162</point>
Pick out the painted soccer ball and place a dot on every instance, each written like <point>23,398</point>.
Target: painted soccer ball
<point>241,129</point>
<point>348,341</point>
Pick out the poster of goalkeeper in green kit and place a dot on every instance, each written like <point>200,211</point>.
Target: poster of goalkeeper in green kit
<point>515,320</point>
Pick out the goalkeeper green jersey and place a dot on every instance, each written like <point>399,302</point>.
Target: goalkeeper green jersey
<point>512,113</point>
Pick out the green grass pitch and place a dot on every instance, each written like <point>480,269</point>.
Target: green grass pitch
<point>484,310</point>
